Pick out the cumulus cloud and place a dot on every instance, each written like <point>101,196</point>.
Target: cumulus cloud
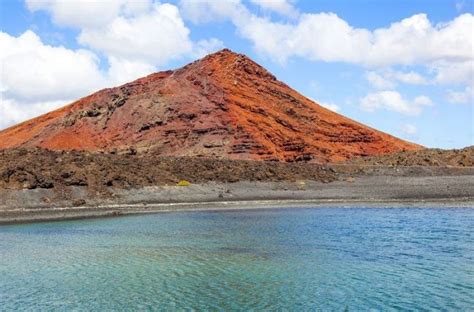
<point>128,30</point>
<point>422,100</point>
<point>454,72</point>
<point>206,46</point>
<point>445,47</point>
<point>124,70</point>
<point>388,79</point>
<point>408,130</point>
<point>378,81</point>
<point>129,40</point>
<point>33,71</point>
<point>331,106</point>
<point>410,41</point>
<point>36,78</point>
<point>203,11</point>
<point>461,97</point>
<point>85,13</point>
<point>156,37</point>
<point>410,77</point>
<point>13,112</point>
<point>282,7</point>
<point>393,101</point>
<point>132,37</point>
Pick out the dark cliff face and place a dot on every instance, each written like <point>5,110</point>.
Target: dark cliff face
<point>224,105</point>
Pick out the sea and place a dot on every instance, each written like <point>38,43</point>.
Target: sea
<point>294,259</point>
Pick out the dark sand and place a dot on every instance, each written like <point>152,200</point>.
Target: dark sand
<point>373,190</point>
<point>39,185</point>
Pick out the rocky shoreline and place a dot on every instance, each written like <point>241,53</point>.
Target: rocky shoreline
<point>38,184</point>
<point>99,172</point>
<point>18,206</point>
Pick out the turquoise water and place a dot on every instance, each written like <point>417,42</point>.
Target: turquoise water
<point>284,259</point>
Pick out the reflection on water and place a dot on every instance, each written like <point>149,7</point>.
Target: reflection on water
<point>328,259</point>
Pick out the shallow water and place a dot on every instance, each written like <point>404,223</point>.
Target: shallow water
<point>283,259</point>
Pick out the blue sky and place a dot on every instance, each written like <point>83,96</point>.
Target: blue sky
<point>404,67</point>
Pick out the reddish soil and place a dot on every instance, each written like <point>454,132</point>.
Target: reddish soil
<point>224,105</point>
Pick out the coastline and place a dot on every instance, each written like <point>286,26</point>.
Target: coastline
<point>23,206</point>
<point>18,216</point>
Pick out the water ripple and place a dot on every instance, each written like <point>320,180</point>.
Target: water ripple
<point>298,259</point>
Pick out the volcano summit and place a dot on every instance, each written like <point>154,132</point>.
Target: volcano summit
<point>223,105</point>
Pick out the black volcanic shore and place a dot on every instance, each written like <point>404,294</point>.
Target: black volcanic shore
<point>44,185</point>
<point>44,169</point>
<point>354,191</point>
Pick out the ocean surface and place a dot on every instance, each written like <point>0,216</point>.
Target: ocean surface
<point>327,259</point>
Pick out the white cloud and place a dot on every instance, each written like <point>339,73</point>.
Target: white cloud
<point>393,101</point>
<point>461,97</point>
<point>422,100</point>
<point>448,72</point>
<point>388,79</point>
<point>282,7</point>
<point>415,40</point>
<point>331,106</point>
<point>122,70</point>
<point>314,36</point>
<point>86,13</point>
<point>36,77</point>
<point>204,47</point>
<point>33,71</point>
<point>134,36</point>
<point>327,37</point>
<point>13,112</point>
<point>408,130</point>
<point>203,11</point>
<point>142,32</point>
<point>410,77</point>
<point>378,81</point>
<point>156,37</point>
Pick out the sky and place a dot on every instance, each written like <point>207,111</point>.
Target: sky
<point>405,67</point>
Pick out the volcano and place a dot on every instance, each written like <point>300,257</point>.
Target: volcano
<point>224,105</point>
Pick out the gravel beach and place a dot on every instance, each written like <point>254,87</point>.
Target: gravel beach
<point>39,185</point>
<point>352,191</point>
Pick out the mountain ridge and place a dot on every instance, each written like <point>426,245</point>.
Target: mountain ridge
<point>224,105</point>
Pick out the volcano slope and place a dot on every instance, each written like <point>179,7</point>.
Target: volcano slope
<point>223,105</point>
